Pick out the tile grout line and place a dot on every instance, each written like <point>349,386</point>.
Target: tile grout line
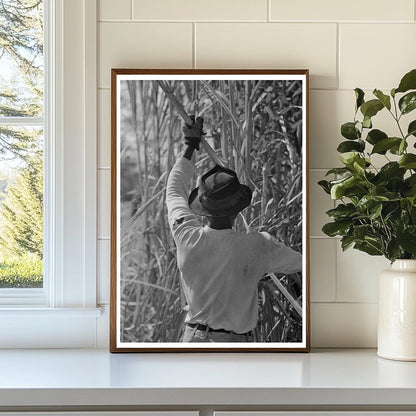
<point>269,10</point>
<point>308,22</point>
<point>355,302</point>
<point>131,9</point>
<point>338,65</point>
<point>319,169</point>
<point>322,237</point>
<point>336,271</point>
<point>310,89</point>
<point>310,170</point>
<point>194,45</point>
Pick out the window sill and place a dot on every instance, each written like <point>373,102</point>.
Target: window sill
<point>35,311</point>
<point>40,327</point>
<point>22,297</point>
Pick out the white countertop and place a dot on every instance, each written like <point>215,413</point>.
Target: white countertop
<point>96,377</point>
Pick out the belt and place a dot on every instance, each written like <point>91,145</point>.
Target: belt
<point>203,327</point>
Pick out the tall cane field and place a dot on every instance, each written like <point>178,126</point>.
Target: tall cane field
<point>255,127</point>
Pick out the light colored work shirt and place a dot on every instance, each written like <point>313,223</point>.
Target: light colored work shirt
<point>220,269</point>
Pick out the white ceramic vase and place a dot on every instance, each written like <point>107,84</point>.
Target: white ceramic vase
<point>397,312</point>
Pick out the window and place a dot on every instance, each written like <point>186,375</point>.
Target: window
<point>63,312</point>
<point>22,128</point>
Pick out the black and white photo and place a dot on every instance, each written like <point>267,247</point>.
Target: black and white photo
<point>209,244</point>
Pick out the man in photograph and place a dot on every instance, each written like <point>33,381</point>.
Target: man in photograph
<point>220,267</point>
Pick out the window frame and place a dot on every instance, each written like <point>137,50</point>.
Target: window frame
<point>69,291</point>
<point>34,296</point>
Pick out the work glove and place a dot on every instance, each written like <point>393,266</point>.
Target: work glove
<point>193,132</point>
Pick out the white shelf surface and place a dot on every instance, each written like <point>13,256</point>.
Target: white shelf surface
<point>96,377</point>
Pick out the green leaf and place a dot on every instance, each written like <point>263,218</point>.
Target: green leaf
<point>413,212</point>
<point>391,170</point>
<point>349,158</point>
<point>411,130</point>
<point>325,186</point>
<point>338,171</point>
<point>402,147</point>
<point>375,211</point>
<point>375,243</point>
<point>407,240</point>
<point>346,242</point>
<point>411,184</point>
<point>338,189</point>
<point>408,161</point>
<point>354,161</point>
<point>408,82</point>
<point>383,145</point>
<point>408,102</point>
<point>361,231</point>
<point>412,200</point>
<point>393,92</point>
<point>375,136</point>
<point>411,179</point>
<point>369,201</point>
<point>336,228</point>
<point>351,187</point>
<point>399,148</point>
<point>342,211</point>
<point>359,95</point>
<point>371,108</point>
<point>349,146</point>
<point>368,248</point>
<point>349,131</point>
<point>385,99</point>
<point>359,165</point>
<point>393,250</point>
<point>367,122</point>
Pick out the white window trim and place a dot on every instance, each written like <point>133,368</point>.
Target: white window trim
<point>65,312</point>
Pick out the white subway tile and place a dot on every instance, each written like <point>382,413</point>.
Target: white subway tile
<point>114,10</point>
<point>104,129</point>
<point>200,10</point>
<point>142,45</point>
<point>319,203</point>
<point>104,202</point>
<point>343,325</point>
<point>272,46</point>
<point>357,275</point>
<point>328,110</point>
<point>342,10</point>
<point>323,269</point>
<point>376,55</point>
<point>103,271</point>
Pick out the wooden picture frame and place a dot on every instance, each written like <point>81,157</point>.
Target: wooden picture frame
<point>255,122</point>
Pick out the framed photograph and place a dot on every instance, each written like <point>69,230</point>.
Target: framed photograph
<point>209,211</point>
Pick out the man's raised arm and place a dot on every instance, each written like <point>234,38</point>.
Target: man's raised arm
<point>180,177</point>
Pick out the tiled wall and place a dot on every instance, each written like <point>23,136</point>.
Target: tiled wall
<point>344,43</point>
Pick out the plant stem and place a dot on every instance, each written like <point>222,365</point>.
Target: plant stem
<point>396,119</point>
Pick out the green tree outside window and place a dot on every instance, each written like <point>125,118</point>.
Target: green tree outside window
<point>21,143</point>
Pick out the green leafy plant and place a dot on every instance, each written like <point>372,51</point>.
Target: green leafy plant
<point>376,212</point>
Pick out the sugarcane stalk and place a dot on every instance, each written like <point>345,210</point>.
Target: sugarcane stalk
<point>210,151</point>
<point>172,97</point>
<point>286,294</point>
